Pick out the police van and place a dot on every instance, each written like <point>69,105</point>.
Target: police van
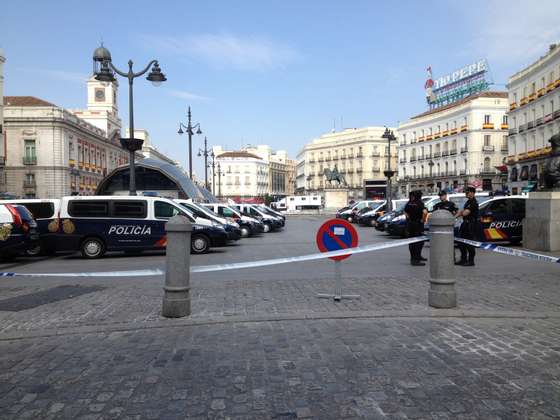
<point>271,222</point>
<point>501,219</point>
<point>249,225</point>
<point>96,224</point>
<point>206,217</point>
<point>45,213</point>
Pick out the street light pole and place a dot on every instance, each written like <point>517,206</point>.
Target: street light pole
<point>205,152</point>
<point>104,71</point>
<point>189,128</point>
<point>213,174</point>
<point>219,181</point>
<point>389,173</point>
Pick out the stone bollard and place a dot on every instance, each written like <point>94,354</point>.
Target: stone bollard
<point>442,293</point>
<point>177,297</point>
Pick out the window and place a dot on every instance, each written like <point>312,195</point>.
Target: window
<point>165,210</point>
<point>30,151</point>
<point>487,164</point>
<point>487,119</point>
<point>513,175</point>
<point>505,119</point>
<point>487,140</point>
<point>518,207</point>
<point>129,209</point>
<point>226,212</point>
<point>498,207</point>
<point>40,210</point>
<point>93,208</point>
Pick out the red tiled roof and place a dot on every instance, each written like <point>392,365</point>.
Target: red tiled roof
<point>238,154</point>
<point>463,101</point>
<point>25,101</point>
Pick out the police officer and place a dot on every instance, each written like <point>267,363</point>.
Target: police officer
<point>415,215</point>
<point>445,204</point>
<point>468,229</point>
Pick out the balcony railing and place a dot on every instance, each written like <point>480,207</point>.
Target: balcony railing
<point>530,124</point>
<point>504,148</point>
<point>421,158</point>
<point>488,171</point>
<point>462,172</point>
<point>376,169</point>
<point>487,148</point>
<point>428,155</point>
<point>359,170</point>
<point>30,160</point>
<point>413,159</point>
<point>375,154</point>
<point>512,131</point>
<point>453,152</point>
<point>539,121</point>
<point>29,183</point>
<point>359,155</point>
<point>402,160</point>
<point>522,128</point>
<point>445,153</point>
<point>464,149</point>
<point>437,154</point>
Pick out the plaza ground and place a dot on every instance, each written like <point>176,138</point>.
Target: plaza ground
<point>259,344</point>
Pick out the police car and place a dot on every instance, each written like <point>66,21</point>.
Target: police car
<point>501,219</point>
<point>96,224</point>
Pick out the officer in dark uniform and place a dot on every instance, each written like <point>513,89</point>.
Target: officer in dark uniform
<point>415,215</point>
<point>469,228</point>
<point>445,204</point>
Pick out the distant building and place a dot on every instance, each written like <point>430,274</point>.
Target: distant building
<point>534,117</point>
<point>253,172</point>
<point>360,154</point>
<point>458,144</point>
<point>2,147</point>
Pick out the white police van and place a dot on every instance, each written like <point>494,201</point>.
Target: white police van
<point>96,224</point>
<point>271,222</point>
<point>206,217</point>
<point>249,225</point>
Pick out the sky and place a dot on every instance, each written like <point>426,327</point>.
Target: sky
<point>267,72</point>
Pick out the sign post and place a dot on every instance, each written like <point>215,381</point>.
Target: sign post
<point>333,235</point>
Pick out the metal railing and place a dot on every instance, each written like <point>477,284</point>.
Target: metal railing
<point>30,160</point>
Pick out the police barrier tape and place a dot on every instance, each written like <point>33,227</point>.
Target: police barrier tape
<point>509,251</point>
<point>232,266</point>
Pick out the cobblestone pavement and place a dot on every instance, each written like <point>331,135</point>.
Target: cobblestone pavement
<point>323,369</point>
<point>260,345</point>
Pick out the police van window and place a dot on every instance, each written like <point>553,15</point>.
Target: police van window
<point>94,208</point>
<point>228,212</point>
<point>498,206</point>
<point>165,210</point>
<point>518,206</point>
<point>129,209</point>
<point>40,210</point>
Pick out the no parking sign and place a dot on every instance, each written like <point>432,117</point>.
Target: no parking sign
<point>336,234</point>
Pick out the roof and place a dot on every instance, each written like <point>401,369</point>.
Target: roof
<point>237,154</point>
<point>174,173</point>
<point>25,101</point>
<point>463,101</point>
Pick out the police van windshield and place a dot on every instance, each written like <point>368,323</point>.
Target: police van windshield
<point>165,210</point>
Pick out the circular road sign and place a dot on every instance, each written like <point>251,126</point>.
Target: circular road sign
<point>336,234</point>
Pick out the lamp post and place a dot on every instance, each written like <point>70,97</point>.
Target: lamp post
<point>431,165</point>
<point>219,180</point>
<point>389,173</point>
<point>213,172</point>
<point>189,129</point>
<point>104,71</point>
<point>205,152</point>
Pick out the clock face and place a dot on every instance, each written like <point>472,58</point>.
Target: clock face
<point>99,94</point>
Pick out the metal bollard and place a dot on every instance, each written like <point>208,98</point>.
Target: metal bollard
<point>442,293</point>
<point>177,297</point>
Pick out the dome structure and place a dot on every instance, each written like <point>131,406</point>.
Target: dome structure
<point>101,54</point>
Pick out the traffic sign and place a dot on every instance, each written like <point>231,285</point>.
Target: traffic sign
<point>336,234</point>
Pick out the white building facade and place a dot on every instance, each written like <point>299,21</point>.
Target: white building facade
<point>360,154</point>
<point>460,144</point>
<point>534,117</point>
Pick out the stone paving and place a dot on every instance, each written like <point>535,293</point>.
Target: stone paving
<point>260,345</point>
<point>324,369</point>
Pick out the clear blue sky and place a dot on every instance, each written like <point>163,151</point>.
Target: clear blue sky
<point>273,72</point>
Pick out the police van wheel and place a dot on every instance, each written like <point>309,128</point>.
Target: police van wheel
<point>245,231</point>
<point>372,222</point>
<point>92,248</point>
<point>349,219</point>
<point>200,244</point>
<point>266,228</point>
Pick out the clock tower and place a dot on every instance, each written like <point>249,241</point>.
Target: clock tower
<point>102,109</point>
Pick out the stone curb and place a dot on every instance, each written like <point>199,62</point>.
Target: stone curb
<point>440,314</point>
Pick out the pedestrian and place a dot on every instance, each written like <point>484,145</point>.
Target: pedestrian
<point>415,216</point>
<point>469,228</point>
<point>445,204</point>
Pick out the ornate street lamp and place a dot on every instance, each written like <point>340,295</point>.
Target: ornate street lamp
<point>104,71</point>
<point>205,152</point>
<point>189,129</point>
<point>389,173</point>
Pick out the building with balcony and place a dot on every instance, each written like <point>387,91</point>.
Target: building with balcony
<point>50,152</point>
<point>360,154</point>
<point>2,150</point>
<point>534,117</point>
<point>254,171</point>
<point>459,144</point>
